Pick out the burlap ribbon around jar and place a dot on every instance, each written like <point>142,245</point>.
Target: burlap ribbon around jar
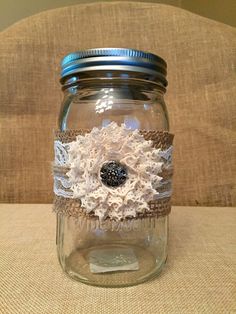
<point>65,202</point>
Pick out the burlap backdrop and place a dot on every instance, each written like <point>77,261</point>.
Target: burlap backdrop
<point>201,99</point>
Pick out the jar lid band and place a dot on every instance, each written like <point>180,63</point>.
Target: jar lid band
<point>114,59</point>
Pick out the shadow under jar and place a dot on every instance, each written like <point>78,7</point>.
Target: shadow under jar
<point>110,89</point>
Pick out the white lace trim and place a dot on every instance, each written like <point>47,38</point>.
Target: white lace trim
<point>167,154</point>
<point>86,155</point>
<point>62,186</point>
<point>61,153</point>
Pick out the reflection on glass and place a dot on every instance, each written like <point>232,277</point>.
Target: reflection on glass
<point>105,102</point>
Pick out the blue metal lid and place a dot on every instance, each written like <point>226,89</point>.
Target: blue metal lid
<point>120,59</point>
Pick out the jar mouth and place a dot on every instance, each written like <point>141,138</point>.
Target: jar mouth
<point>114,59</point>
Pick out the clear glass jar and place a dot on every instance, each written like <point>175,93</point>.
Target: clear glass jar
<point>113,253</point>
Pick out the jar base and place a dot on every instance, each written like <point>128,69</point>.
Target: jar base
<point>112,265</point>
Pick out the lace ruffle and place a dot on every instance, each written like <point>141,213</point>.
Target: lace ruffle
<point>84,157</point>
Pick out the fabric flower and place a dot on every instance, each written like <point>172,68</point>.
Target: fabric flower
<point>88,154</point>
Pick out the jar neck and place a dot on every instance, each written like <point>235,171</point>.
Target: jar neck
<point>117,98</point>
<point>110,79</point>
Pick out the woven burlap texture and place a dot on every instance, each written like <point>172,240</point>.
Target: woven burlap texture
<point>199,276</point>
<point>72,207</point>
<point>201,94</point>
<point>160,139</point>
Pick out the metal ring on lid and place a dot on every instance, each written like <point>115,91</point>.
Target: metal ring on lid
<point>114,59</point>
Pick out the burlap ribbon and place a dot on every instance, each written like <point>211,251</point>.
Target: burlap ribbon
<point>157,208</point>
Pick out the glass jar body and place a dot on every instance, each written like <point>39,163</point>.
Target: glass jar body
<point>111,253</point>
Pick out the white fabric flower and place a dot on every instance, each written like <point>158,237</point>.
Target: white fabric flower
<point>88,153</point>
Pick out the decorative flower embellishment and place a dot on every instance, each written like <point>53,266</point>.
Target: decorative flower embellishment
<point>114,172</point>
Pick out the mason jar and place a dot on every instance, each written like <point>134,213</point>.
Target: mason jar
<point>113,167</point>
